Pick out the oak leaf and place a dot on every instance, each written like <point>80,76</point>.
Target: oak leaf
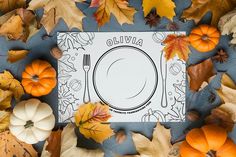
<point>4,120</point>
<point>200,73</point>
<point>16,55</point>
<point>119,8</point>
<point>9,5</point>
<point>159,146</point>
<point>69,143</point>
<point>54,10</point>
<point>163,8</point>
<point>200,7</point>
<point>176,45</point>
<point>91,120</point>
<point>52,146</point>
<point>10,146</point>
<point>8,82</point>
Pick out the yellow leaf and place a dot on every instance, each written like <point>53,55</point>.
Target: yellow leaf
<point>54,10</point>
<point>163,8</point>
<point>176,45</point>
<point>69,145</point>
<point>16,55</point>
<point>159,146</point>
<point>119,8</point>
<point>12,28</point>
<point>9,5</point>
<point>91,119</point>
<point>7,82</point>
<point>5,99</point>
<point>4,120</point>
<point>200,7</point>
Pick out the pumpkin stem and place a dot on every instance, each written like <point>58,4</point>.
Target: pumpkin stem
<point>29,124</point>
<point>211,153</point>
<point>35,78</point>
<point>205,37</point>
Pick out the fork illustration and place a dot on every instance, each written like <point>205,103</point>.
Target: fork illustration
<point>86,68</point>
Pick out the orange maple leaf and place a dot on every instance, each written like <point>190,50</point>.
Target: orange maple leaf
<point>176,45</point>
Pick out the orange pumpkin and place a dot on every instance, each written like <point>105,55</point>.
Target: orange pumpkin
<point>39,78</point>
<point>204,38</point>
<point>211,140</point>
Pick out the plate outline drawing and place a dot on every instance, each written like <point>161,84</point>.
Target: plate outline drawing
<point>105,101</point>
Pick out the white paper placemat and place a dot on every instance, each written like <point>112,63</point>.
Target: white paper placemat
<point>125,70</point>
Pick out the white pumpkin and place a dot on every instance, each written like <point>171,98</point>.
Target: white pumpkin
<point>32,121</point>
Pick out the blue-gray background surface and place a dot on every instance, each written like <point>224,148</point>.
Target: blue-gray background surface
<point>199,101</point>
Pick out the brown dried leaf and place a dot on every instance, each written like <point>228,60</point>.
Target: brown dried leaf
<point>200,73</point>
<point>9,5</point>
<point>222,116</point>
<point>20,24</point>
<point>52,147</point>
<point>10,146</point>
<point>16,55</point>
<point>200,7</point>
<point>12,28</point>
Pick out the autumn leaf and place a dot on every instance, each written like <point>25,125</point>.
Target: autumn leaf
<point>57,9</point>
<point>176,45</point>
<point>159,146</point>
<point>224,116</point>
<point>19,24</point>
<point>163,8</point>
<point>52,146</point>
<point>9,5</point>
<point>16,55</point>
<point>10,146</point>
<point>5,99</point>
<point>12,28</point>
<point>8,82</point>
<point>227,92</point>
<point>91,119</point>
<point>119,8</point>
<point>69,143</point>
<point>200,73</point>
<point>4,120</point>
<point>200,7</point>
